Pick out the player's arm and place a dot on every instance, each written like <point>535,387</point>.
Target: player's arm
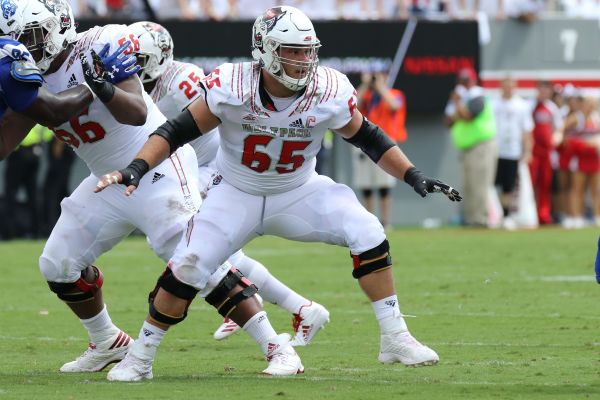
<point>187,126</point>
<point>21,81</point>
<point>377,145</point>
<point>128,105</point>
<point>51,109</point>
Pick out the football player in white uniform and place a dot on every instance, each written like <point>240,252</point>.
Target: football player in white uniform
<point>173,85</point>
<point>102,135</point>
<point>21,90</point>
<point>272,115</point>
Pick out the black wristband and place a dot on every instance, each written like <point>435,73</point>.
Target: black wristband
<point>412,176</point>
<point>133,173</point>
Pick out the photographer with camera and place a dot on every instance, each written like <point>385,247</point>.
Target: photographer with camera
<point>385,107</point>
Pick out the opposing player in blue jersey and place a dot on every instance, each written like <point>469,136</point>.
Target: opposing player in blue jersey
<point>598,263</point>
<point>21,92</point>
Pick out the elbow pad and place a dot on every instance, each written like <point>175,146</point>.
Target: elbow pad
<point>372,140</point>
<point>179,130</point>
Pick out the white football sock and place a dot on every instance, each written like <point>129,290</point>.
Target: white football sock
<point>149,338</point>
<point>387,312</point>
<point>100,327</point>
<point>270,288</point>
<point>260,329</point>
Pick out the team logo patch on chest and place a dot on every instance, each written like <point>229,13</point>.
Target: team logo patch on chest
<point>291,132</point>
<point>72,81</point>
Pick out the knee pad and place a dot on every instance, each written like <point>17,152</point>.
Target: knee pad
<point>171,284</point>
<point>219,298</point>
<point>80,290</point>
<point>373,260</point>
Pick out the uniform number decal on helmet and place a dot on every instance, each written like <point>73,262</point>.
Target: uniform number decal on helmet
<point>9,8</point>
<point>134,46</point>
<point>271,17</point>
<point>54,6</point>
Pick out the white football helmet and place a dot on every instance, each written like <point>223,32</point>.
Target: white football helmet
<point>156,49</point>
<point>282,28</point>
<point>45,27</point>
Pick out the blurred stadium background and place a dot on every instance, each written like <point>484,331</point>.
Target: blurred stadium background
<point>528,40</point>
<point>513,315</point>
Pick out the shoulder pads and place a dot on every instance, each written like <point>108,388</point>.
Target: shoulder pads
<point>26,71</point>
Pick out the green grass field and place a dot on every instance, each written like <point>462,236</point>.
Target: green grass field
<point>513,315</point>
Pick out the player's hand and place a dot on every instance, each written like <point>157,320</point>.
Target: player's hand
<point>129,176</point>
<point>95,77</point>
<point>424,185</point>
<point>118,66</point>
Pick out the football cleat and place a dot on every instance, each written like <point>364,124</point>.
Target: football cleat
<point>309,320</point>
<point>131,369</point>
<point>283,359</point>
<point>98,356</point>
<point>229,327</point>
<point>404,348</point>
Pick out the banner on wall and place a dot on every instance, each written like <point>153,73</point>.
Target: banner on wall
<point>437,50</point>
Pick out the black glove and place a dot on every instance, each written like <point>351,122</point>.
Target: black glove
<point>133,173</point>
<point>95,77</point>
<point>424,185</point>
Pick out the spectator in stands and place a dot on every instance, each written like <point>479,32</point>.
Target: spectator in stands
<point>176,9</point>
<point>354,9</point>
<point>215,10</point>
<point>524,10</point>
<point>80,9</point>
<point>471,120</point>
<point>513,128</point>
<point>547,133</point>
<point>427,9</point>
<point>567,162</point>
<point>129,9</point>
<point>586,176</point>
<point>248,9</point>
<point>317,9</point>
<point>385,107</point>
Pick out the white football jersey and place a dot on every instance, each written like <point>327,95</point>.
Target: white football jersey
<point>265,151</point>
<point>95,135</point>
<point>174,91</point>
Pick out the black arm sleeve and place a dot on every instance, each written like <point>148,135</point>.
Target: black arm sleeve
<point>372,140</point>
<point>179,130</point>
<point>475,106</point>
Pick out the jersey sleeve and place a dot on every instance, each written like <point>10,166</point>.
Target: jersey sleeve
<point>344,103</point>
<point>184,89</point>
<point>19,93</point>
<point>20,78</point>
<point>216,88</point>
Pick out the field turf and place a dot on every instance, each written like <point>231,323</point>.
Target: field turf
<point>513,315</point>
